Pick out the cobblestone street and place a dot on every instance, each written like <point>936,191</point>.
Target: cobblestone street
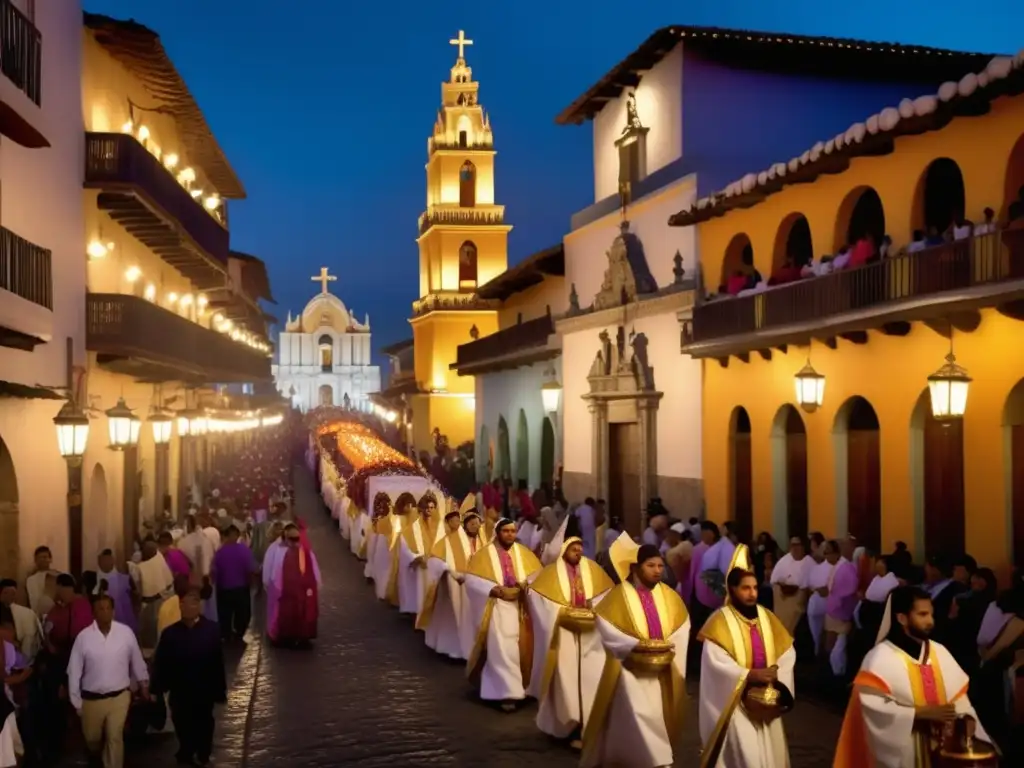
<point>371,694</point>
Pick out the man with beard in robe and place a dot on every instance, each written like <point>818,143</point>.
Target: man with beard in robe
<point>293,601</point>
<point>636,718</point>
<point>414,546</point>
<point>746,677</point>
<point>495,581</point>
<point>568,656</point>
<point>442,612</point>
<point>909,688</point>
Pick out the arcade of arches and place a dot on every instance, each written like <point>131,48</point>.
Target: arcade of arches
<point>9,535</point>
<point>497,459</point>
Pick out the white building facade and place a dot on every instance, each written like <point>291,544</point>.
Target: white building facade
<point>42,277</point>
<point>324,355</point>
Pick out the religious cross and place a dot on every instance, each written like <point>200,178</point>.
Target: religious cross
<point>323,278</point>
<point>462,42</point>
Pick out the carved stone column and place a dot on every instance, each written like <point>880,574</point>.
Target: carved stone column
<point>599,447</point>
<point>647,416</point>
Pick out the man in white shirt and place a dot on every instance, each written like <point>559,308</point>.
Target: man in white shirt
<point>104,661</point>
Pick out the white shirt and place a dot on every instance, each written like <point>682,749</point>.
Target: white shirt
<point>104,663</point>
<point>791,571</point>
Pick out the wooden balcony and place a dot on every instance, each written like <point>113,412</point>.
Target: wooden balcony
<point>519,344</point>
<point>938,282</point>
<point>146,199</point>
<point>462,217</point>
<point>21,52</point>
<point>26,271</point>
<point>138,338</point>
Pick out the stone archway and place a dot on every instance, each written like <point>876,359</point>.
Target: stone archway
<point>326,394</point>
<point>503,468</point>
<point>937,468</point>
<point>624,409</point>
<point>856,447</point>
<point>97,512</point>
<point>789,473</point>
<point>483,459</point>
<point>547,453</point>
<point>1013,449</point>
<point>522,450</point>
<point>10,538</point>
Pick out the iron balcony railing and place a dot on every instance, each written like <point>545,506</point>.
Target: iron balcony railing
<point>515,338</point>
<point>128,326</point>
<point>21,51</point>
<point>985,259</point>
<point>26,269</point>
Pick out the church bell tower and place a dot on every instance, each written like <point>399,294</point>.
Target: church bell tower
<point>462,243</point>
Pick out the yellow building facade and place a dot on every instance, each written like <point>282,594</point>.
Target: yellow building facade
<point>872,459</point>
<point>462,245</point>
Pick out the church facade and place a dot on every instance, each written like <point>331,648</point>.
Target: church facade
<point>324,355</point>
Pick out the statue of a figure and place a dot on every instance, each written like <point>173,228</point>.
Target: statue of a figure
<point>632,118</point>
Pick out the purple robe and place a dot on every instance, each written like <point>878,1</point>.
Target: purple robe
<point>119,587</point>
<point>654,630</point>
<point>842,594</point>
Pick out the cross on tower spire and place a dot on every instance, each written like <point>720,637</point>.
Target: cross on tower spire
<point>323,278</point>
<point>462,42</point>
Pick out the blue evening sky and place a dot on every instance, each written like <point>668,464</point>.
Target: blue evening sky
<point>324,107</point>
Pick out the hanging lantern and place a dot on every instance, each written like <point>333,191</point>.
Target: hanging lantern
<point>72,431</point>
<point>163,426</point>
<point>123,425</point>
<point>551,392</point>
<point>948,387</point>
<point>810,388</point>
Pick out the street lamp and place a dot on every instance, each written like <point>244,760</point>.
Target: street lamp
<point>72,432</point>
<point>162,424</point>
<point>123,426</point>
<point>948,387</point>
<point>810,388</point>
<point>551,391</point>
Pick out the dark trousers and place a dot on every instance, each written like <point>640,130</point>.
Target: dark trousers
<point>193,724</point>
<point>234,610</point>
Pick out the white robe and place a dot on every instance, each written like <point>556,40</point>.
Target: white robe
<point>412,579</point>
<point>379,559</point>
<point>358,533</point>
<point>819,576</point>
<point>747,744</point>
<point>635,734</point>
<point>888,716</point>
<point>442,634</point>
<point>502,677</point>
<point>579,663</point>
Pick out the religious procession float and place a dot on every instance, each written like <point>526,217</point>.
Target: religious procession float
<point>355,464</point>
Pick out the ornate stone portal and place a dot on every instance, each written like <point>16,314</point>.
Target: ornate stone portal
<point>628,276</point>
<point>622,391</point>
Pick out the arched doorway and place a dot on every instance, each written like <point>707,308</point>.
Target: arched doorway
<point>858,473</point>
<point>10,538</point>
<point>740,475</point>
<point>1013,184</point>
<point>547,453</point>
<point>793,242</point>
<point>467,185</point>
<point>97,513</point>
<point>738,259</point>
<point>504,465</point>
<point>940,196</point>
<point>940,477</point>
<point>789,473</point>
<point>1013,423</point>
<point>861,213</point>
<point>522,449</point>
<point>326,394</point>
<point>467,266</point>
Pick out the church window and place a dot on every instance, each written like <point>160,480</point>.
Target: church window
<point>326,394</point>
<point>467,267</point>
<point>326,345</point>
<point>467,185</point>
<point>463,139</point>
<point>629,163</point>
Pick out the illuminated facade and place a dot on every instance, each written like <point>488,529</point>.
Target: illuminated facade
<point>877,457</point>
<point>462,245</point>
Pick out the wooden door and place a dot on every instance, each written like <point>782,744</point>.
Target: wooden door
<point>944,519</point>
<point>796,484</point>
<point>742,495</point>
<point>624,475</point>
<point>1017,465</point>
<point>863,488</point>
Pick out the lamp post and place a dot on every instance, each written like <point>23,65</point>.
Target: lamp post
<point>163,426</point>
<point>551,392</point>
<point>72,437</point>
<point>810,388</point>
<point>123,427</point>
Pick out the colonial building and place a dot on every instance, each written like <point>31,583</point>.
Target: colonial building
<point>886,399</point>
<point>324,355</point>
<point>171,312</point>
<point>462,245</point>
<point>517,371</point>
<point>42,269</point>
<point>688,110</point>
